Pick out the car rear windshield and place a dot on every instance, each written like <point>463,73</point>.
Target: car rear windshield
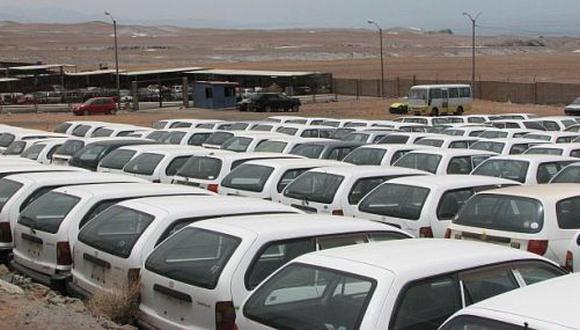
<point>218,138</point>
<point>466,322</point>
<point>271,146</point>
<point>308,150</point>
<point>7,189</point>
<point>546,171</point>
<point>205,168</point>
<point>248,177</point>
<point>144,164</point>
<point>48,211</point>
<point>193,256</point>
<point>567,211</point>
<point>33,151</point>
<point>395,200</point>
<point>91,153</point>
<point>357,137</point>
<point>430,142</point>
<point>237,144</point>
<point>287,130</point>
<point>115,230</point>
<point>102,132</point>
<point>158,136</point>
<point>307,297</point>
<point>81,130</point>
<point>314,186</point>
<point>6,139</point>
<point>419,161</point>
<point>365,156</point>
<point>539,137</point>
<point>159,125</point>
<point>62,127</point>
<point>544,151</point>
<point>198,139</point>
<point>117,159</point>
<point>507,169</point>
<point>502,212</point>
<point>493,135</point>
<point>173,138</point>
<point>363,186</point>
<point>15,148</point>
<point>394,139</point>
<point>496,147</point>
<point>570,174</point>
<point>69,148</point>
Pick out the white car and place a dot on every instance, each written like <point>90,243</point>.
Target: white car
<point>508,133</point>
<point>281,145</point>
<point>404,138</point>
<point>112,247</point>
<point>367,136</point>
<point>216,140</point>
<point>46,228</point>
<point>518,124</point>
<point>513,115</point>
<point>285,119</point>
<point>42,150</point>
<point>304,131</point>
<point>87,128</point>
<point>63,154</point>
<point>379,154</point>
<point>254,247</point>
<point>183,123</point>
<point>67,127</point>
<point>158,164</point>
<point>443,161</point>
<point>403,284</point>
<point>208,170</point>
<point>339,123</point>
<point>19,190</point>
<point>526,169</point>
<point>447,142</point>
<point>537,218</point>
<point>191,137</point>
<point>556,123</point>
<point>544,306</point>
<point>507,146</point>
<point>552,137</point>
<point>337,190</point>
<point>572,262</point>
<point>569,174</point>
<point>116,160</point>
<point>266,179</point>
<point>424,120</point>
<point>474,131</point>
<point>247,141</point>
<point>117,130</point>
<point>565,149</point>
<point>14,143</point>
<point>423,206</point>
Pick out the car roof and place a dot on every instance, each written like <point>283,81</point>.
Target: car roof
<point>64,177</point>
<point>332,143</point>
<point>367,170</point>
<point>162,148</point>
<point>293,162</point>
<point>33,167</point>
<point>546,192</point>
<point>450,181</point>
<point>535,158</point>
<point>562,146</point>
<point>451,152</point>
<point>124,141</point>
<point>511,141</point>
<point>288,225</point>
<point>247,155</point>
<point>257,134</point>
<point>128,188</point>
<point>395,146</point>
<point>450,138</point>
<point>554,301</point>
<point>419,258</point>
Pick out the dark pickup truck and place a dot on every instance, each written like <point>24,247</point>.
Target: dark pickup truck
<point>268,102</point>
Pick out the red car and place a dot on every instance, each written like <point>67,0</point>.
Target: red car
<point>96,105</point>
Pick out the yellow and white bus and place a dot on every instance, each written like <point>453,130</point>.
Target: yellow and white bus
<point>435,100</point>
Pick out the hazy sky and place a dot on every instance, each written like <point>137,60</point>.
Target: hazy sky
<point>518,15</point>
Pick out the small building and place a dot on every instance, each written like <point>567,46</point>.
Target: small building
<point>214,94</point>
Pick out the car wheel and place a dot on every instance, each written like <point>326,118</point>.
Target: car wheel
<point>295,108</point>
<point>459,111</point>
<point>434,112</point>
<point>86,113</point>
<point>268,108</point>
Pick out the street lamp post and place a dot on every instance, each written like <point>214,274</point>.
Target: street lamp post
<point>116,60</point>
<point>473,20</point>
<point>370,21</point>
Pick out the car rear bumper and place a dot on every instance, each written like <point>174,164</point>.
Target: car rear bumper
<point>56,280</point>
<point>76,291</point>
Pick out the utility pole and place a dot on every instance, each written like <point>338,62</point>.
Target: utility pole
<point>370,21</point>
<point>473,20</point>
<point>118,81</point>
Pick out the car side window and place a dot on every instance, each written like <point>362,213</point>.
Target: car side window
<point>451,202</point>
<point>288,177</point>
<point>487,282</point>
<point>310,133</point>
<point>567,212</point>
<point>339,153</point>
<point>98,208</point>
<point>533,272</point>
<point>458,145</point>
<point>35,195</point>
<point>551,125</point>
<point>459,165</point>
<point>575,153</point>
<point>52,151</point>
<point>334,241</point>
<point>398,154</point>
<point>426,304</point>
<point>175,165</point>
<point>518,149</point>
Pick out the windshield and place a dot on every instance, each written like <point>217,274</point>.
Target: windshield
<point>340,133</point>
<point>70,147</point>
<point>307,297</point>
<point>507,169</point>
<point>314,186</point>
<point>159,125</point>
<point>502,212</point>
<point>287,130</point>
<point>144,164</point>
<point>115,230</point>
<point>90,153</point>
<point>218,138</point>
<point>7,189</point>
<point>271,146</point>
<point>539,137</point>
<point>308,150</point>
<point>430,142</point>
<point>33,151</point>
<point>15,148</point>
<point>394,139</point>
<point>418,94</point>
<point>496,147</point>
<point>117,159</point>
<point>395,200</point>
<point>419,161</point>
<point>357,137</point>
<point>81,130</point>
<point>248,177</point>
<point>365,156</point>
<point>62,127</point>
<point>205,168</point>
<point>173,138</point>
<point>158,136</point>
<point>48,211</point>
<point>237,144</point>
<point>493,135</point>
<point>544,151</point>
<point>193,256</point>
<point>102,132</point>
<point>570,174</point>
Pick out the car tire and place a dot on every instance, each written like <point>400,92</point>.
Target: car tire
<point>268,108</point>
<point>295,108</point>
<point>459,111</point>
<point>434,112</point>
<point>86,113</point>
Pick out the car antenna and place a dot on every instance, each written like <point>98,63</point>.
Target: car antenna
<point>526,326</point>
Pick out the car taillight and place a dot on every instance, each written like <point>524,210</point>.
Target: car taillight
<point>5,232</point>
<point>569,265</point>
<point>225,316</point>
<point>448,233</point>
<point>213,187</point>
<point>63,254</point>
<point>425,232</point>
<point>133,275</point>
<point>538,246</point>
<point>337,212</point>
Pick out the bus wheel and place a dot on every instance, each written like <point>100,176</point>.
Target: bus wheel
<point>435,112</point>
<point>459,111</point>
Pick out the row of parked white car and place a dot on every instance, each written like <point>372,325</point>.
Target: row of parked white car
<point>267,230</point>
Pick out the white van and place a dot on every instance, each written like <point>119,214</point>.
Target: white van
<point>247,249</point>
<point>266,179</point>
<point>46,228</point>
<point>423,206</point>
<point>435,100</point>
<point>337,190</point>
<point>537,218</point>
<point>402,284</point>
<point>550,305</point>
<point>19,190</point>
<point>159,164</point>
<point>112,247</point>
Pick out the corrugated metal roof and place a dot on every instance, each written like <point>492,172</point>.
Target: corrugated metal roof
<point>227,72</point>
<point>8,79</point>
<point>93,73</point>
<point>41,67</point>
<point>146,72</point>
